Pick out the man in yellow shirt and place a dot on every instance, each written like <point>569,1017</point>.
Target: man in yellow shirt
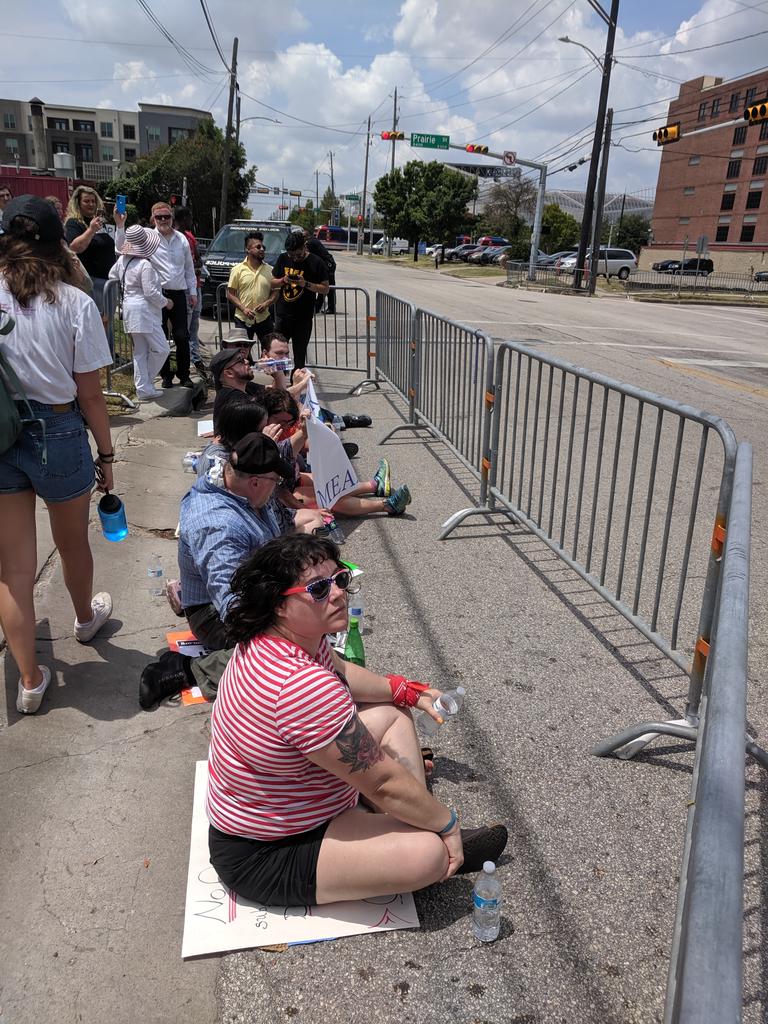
<point>250,289</point>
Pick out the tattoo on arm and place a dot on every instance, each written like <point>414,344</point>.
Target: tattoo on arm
<point>357,746</point>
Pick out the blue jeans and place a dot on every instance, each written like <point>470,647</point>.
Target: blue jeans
<point>67,471</point>
<point>193,321</point>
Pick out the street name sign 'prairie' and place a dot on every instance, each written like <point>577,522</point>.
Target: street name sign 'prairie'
<point>430,141</point>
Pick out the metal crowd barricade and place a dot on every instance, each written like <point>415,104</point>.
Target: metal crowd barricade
<point>448,388</point>
<point>221,303</point>
<point>705,983</point>
<point>588,464</point>
<point>120,343</point>
<point>342,340</point>
<point>396,345</point>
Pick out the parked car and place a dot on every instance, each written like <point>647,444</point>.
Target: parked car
<point>456,254</point>
<point>611,263</point>
<point>761,277</point>
<point>492,240</point>
<point>480,252</point>
<point>228,249</point>
<point>550,261</point>
<point>666,266</point>
<point>469,251</point>
<point>694,267</point>
<point>490,254</point>
<point>502,254</point>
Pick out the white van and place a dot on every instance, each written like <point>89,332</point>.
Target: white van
<point>399,246</point>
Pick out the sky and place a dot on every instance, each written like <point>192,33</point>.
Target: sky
<point>491,72</point>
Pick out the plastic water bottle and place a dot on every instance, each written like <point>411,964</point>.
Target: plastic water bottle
<point>189,462</point>
<point>156,577</point>
<point>336,532</point>
<point>486,898</point>
<point>338,422</point>
<point>447,706</point>
<point>114,525</point>
<point>356,608</point>
<point>354,651</point>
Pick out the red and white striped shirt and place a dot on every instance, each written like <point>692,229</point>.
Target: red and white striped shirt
<point>276,704</point>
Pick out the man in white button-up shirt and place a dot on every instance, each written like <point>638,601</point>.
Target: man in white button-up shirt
<point>173,261</point>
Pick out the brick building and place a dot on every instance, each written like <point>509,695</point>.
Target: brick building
<point>713,181</point>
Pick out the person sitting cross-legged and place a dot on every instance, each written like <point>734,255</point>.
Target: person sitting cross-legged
<point>299,736</point>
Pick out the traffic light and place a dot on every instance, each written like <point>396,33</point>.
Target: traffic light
<point>757,112</point>
<point>359,218</point>
<point>264,190</point>
<point>393,136</point>
<point>472,148</point>
<point>669,133</point>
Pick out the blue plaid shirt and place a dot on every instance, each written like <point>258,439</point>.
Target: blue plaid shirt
<point>218,531</point>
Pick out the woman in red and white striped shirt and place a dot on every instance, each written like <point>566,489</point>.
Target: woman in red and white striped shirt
<point>298,735</point>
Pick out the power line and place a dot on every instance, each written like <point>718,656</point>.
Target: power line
<point>197,67</point>
<point>697,49</point>
<point>690,28</point>
<point>214,37</point>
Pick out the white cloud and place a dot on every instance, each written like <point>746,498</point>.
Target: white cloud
<point>132,72</point>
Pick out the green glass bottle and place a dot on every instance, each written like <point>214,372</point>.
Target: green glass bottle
<point>354,650</point>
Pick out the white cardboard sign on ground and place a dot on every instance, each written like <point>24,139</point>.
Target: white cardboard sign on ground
<point>216,920</point>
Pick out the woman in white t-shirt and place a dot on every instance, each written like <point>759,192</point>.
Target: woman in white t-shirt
<point>298,736</point>
<point>143,301</point>
<point>56,348</point>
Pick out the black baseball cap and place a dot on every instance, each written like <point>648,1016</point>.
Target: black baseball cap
<point>43,213</point>
<point>255,454</point>
<point>221,360</point>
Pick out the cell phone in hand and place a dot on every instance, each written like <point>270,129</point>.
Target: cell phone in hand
<point>120,204</point>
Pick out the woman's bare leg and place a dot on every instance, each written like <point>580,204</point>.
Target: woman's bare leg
<point>374,854</point>
<point>18,565</point>
<point>69,526</point>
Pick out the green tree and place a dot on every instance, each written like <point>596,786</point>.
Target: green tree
<point>328,204</point>
<point>423,199</point>
<point>633,233</point>
<point>564,230</point>
<point>303,216</point>
<point>508,206</point>
<point>198,158</point>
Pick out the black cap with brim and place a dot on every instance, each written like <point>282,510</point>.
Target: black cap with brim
<point>220,361</point>
<point>256,454</point>
<point>42,212</point>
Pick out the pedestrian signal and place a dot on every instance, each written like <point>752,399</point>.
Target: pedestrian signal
<point>175,200</point>
<point>757,112</point>
<point>669,133</point>
<point>393,136</point>
<point>472,148</point>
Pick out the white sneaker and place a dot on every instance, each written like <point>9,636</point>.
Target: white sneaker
<point>101,606</point>
<point>28,701</point>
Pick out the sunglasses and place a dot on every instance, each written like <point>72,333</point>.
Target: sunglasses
<point>319,590</point>
<point>162,216</point>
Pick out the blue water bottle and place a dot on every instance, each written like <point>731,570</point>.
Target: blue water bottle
<point>112,515</point>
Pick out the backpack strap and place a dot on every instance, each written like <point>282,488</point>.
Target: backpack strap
<point>9,374</point>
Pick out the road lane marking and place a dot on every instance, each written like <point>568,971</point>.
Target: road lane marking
<point>714,378</point>
<point>721,362</point>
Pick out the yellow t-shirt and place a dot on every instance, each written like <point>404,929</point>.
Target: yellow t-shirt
<point>253,287</point>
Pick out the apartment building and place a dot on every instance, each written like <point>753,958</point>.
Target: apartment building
<point>713,180</point>
<point>99,140</point>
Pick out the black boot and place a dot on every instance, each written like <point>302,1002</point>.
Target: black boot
<point>164,678</point>
<point>356,420</point>
<point>480,845</point>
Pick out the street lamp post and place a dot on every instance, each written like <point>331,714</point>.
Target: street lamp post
<point>605,66</point>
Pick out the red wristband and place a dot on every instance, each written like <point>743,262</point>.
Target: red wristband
<point>405,692</point>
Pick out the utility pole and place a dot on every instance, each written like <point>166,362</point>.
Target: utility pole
<point>391,167</point>
<point>228,135</point>
<point>362,207</point>
<point>333,217</point>
<point>237,119</point>
<point>593,263</point>
<point>317,198</point>
<point>589,196</point>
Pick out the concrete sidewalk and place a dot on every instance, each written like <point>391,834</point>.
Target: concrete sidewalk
<point>99,793</point>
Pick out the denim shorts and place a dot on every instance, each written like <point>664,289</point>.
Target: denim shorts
<point>68,472</point>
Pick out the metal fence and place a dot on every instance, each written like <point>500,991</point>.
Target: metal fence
<point>696,284</point>
<point>340,340</point>
<point>705,981</point>
<point>552,278</point>
<point>615,480</point>
<point>120,343</point>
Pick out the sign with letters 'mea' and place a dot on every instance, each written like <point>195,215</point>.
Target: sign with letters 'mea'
<point>332,471</point>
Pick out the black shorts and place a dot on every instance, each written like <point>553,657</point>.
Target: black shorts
<point>280,873</point>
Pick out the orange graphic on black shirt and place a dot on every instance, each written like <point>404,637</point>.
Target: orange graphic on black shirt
<point>292,289</point>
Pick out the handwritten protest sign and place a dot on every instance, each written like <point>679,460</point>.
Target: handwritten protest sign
<point>217,920</point>
<point>331,469</point>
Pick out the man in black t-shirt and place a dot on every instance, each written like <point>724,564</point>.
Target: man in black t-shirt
<point>300,277</point>
<point>316,248</point>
